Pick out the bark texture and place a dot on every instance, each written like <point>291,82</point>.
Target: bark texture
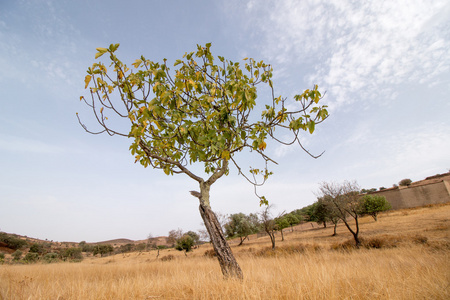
<point>228,264</point>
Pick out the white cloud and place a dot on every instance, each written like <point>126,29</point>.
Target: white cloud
<point>359,48</point>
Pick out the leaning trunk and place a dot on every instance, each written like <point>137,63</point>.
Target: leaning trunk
<point>228,264</point>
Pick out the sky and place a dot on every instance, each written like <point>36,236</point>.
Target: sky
<point>384,67</point>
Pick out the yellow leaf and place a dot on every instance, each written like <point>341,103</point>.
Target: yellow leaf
<point>137,63</point>
<point>87,79</point>
<point>262,146</point>
<point>101,110</point>
<point>225,155</point>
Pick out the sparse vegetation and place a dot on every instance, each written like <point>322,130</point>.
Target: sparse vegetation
<point>405,182</point>
<point>402,256</point>
<point>11,241</point>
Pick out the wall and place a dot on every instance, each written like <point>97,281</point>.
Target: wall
<point>418,195</point>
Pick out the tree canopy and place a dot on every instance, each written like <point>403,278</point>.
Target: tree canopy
<point>199,112</point>
<point>202,112</point>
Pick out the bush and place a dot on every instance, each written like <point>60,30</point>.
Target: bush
<point>210,253</point>
<point>103,249</point>
<point>73,254</point>
<point>405,182</point>
<point>17,255</point>
<point>36,248</point>
<point>168,257</point>
<point>51,257</point>
<point>31,257</point>
<point>185,243</point>
<point>2,257</point>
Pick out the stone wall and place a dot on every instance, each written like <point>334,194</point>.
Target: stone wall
<point>427,192</point>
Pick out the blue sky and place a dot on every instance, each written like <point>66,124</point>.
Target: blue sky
<point>385,67</point>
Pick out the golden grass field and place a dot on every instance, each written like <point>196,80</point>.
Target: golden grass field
<point>412,263</point>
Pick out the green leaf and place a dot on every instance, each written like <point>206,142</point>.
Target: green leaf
<point>100,52</point>
<point>311,126</point>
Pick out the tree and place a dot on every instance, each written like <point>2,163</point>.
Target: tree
<point>186,242</point>
<point>321,213</point>
<point>373,204</point>
<point>268,223</point>
<point>36,248</point>
<point>293,219</point>
<point>405,182</point>
<point>103,249</point>
<point>280,224</point>
<point>241,226</point>
<point>174,235</point>
<point>151,242</point>
<point>201,113</point>
<point>345,201</point>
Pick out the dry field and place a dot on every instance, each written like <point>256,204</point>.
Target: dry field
<point>412,262</point>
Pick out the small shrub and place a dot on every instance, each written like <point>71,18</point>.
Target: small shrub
<point>31,257</point>
<point>168,257</point>
<point>72,254</point>
<point>210,253</point>
<point>17,255</point>
<point>345,246</point>
<point>418,239</point>
<point>374,243</point>
<point>51,257</point>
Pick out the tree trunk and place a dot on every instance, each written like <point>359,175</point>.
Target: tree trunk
<point>354,233</point>
<point>335,226</point>
<point>228,264</point>
<point>282,235</point>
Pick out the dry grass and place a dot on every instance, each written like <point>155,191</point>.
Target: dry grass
<point>413,262</point>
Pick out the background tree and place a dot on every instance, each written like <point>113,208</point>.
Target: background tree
<point>241,226</point>
<point>186,242</point>
<point>103,249</point>
<point>321,213</point>
<point>174,235</point>
<point>37,248</point>
<point>345,201</point>
<point>293,219</point>
<point>73,253</point>
<point>405,182</point>
<point>199,113</point>
<point>151,242</point>
<point>373,204</point>
<point>281,223</point>
<point>195,237</point>
<point>268,223</point>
